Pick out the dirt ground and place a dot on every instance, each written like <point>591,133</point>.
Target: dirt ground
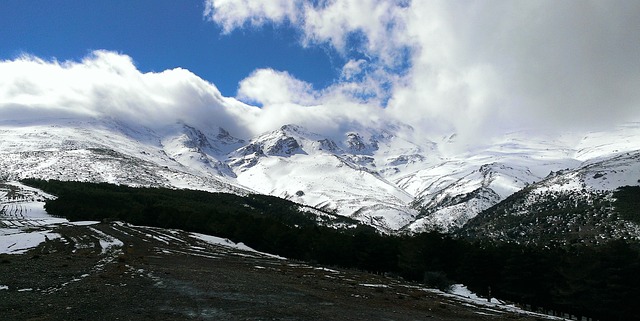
<point>113,271</point>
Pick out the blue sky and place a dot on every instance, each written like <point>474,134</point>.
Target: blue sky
<point>159,35</point>
<point>475,68</point>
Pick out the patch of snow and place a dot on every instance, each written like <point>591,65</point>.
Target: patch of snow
<point>107,242</point>
<point>460,292</point>
<point>326,269</point>
<point>374,285</point>
<point>214,240</point>
<point>16,241</point>
<point>83,223</point>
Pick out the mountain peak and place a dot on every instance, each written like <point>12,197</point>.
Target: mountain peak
<point>292,128</point>
<point>356,144</point>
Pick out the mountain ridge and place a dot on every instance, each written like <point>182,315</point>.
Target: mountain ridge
<point>379,176</point>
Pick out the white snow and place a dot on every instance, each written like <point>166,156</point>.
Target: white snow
<point>17,241</point>
<point>374,285</point>
<point>460,292</point>
<point>107,242</point>
<point>83,223</point>
<point>214,240</point>
<point>327,270</point>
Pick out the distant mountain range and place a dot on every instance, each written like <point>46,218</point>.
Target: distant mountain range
<point>387,177</point>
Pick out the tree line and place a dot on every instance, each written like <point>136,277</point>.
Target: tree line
<point>601,282</point>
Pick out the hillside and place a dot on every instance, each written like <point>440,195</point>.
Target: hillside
<point>552,278</point>
<point>54,269</point>
<point>157,274</point>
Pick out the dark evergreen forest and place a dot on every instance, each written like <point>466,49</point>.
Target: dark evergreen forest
<point>601,282</point>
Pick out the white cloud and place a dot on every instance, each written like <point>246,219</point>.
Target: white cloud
<point>269,87</point>
<point>352,68</point>
<point>474,67</point>
<point>288,100</point>
<point>232,14</point>
<point>375,25</point>
<point>378,21</point>
<point>321,21</point>
<point>471,67</point>
<point>107,84</point>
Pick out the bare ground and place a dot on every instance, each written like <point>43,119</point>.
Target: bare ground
<point>158,274</point>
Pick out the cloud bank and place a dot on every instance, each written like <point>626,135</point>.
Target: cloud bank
<point>470,67</point>
<point>473,68</point>
<point>108,84</point>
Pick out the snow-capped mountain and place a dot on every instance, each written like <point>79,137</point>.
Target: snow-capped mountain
<point>386,176</point>
<point>305,167</point>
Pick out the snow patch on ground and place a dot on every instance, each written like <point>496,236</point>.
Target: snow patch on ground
<point>374,285</point>
<point>461,292</point>
<point>214,240</point>
<point>16,241</point>
<point>83,223</point>
<point>107,242</point>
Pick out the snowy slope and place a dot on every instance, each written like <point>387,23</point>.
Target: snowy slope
<point>98,151</point>
<point>605,174</point>
<point>603,144</point>
<point>455,190</point>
